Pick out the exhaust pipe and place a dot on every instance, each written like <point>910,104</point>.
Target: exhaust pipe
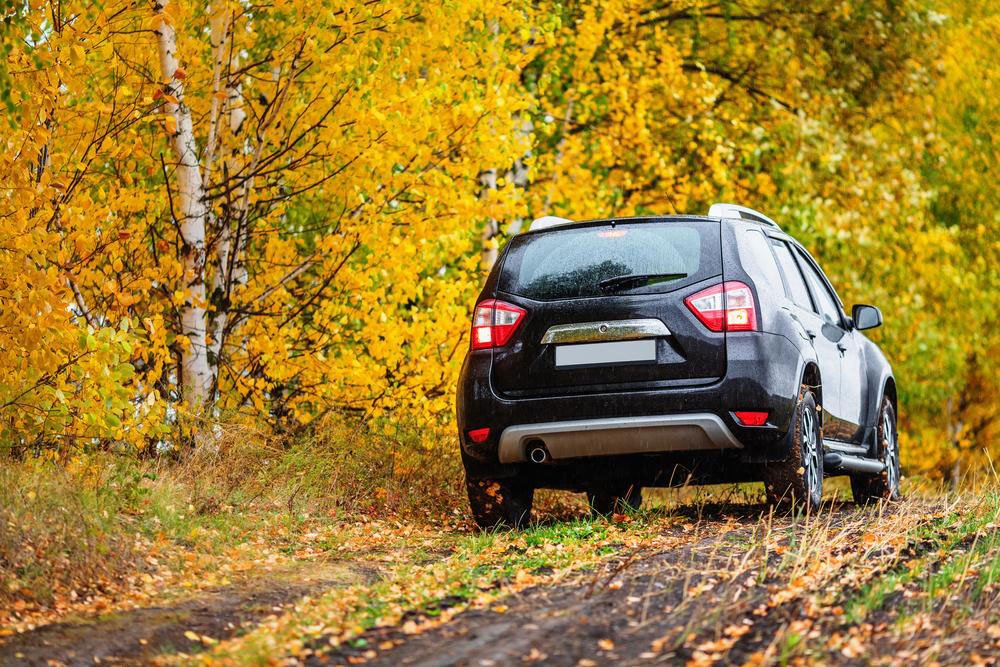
<point>538,454</point>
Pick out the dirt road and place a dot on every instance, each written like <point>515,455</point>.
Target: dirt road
<point>137,636</point>
<point>733,584</point>
<point>735,596</point>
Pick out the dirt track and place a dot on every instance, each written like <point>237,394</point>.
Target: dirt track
<point>136,636</point>
<point>736,584</point>
<point>612,615</point>
<point>718,598</point>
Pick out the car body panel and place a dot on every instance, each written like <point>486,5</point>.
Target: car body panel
<point>501,388</point>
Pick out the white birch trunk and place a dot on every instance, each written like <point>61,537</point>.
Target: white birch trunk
<point>196,372</point>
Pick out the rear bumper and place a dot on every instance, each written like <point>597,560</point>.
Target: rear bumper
<point>763,372</point>
<point>618,435</point>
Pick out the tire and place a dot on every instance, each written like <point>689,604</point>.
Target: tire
<point>884,485</point>
<point>799,477</point>
<point>498,503</point>
<point>604,502</point>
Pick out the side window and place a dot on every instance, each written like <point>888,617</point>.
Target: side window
<point>758,261</point>
<point>797,287</point>
<point>827,306</point>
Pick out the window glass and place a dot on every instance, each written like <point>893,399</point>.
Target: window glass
<point>581,261</point>
<point>758,260</point>
<point>827,306</point>
<point>789,268</point>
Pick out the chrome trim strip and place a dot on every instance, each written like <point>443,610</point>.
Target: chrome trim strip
<point>593,332</point>
<point>619,435</point>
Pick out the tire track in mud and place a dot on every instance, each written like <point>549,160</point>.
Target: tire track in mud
<point>136,636</point>
<point>639,608</point>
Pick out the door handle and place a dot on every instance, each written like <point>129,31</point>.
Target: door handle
<point>841,347</point>
<point>809,332</point>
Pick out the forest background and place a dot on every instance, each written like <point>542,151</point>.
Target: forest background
<point>275,216</point>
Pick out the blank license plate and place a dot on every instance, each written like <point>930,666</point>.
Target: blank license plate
<point>602,354</point>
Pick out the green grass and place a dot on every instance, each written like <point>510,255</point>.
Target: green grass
<point>791,646</point>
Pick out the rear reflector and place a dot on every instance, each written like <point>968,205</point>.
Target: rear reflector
<point>727,306</point>
<point>479,435</point>
<point>494,322</point>
<point>750,418</point>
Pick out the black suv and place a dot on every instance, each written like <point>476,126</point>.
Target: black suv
<point>612,355</point>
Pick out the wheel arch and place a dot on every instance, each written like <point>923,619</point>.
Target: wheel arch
<point>889,390</point>
<point>882,387</point>
<point>812,379</point>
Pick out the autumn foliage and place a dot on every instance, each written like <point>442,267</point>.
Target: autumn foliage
<point>278,213</point>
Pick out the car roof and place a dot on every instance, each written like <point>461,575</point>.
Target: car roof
<point>676,217</point>
<point>597,222</point>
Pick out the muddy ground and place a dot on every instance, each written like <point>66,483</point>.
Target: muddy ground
<point>720,599</point>
<point>138,635</point>
<point>727,592</point>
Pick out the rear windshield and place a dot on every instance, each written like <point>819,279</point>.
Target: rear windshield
<point>582,262</point>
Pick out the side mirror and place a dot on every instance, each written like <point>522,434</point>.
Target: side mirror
<point>865,316</point>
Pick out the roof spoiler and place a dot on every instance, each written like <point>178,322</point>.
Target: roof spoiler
<point>739,213</point>
<point>547,221</point>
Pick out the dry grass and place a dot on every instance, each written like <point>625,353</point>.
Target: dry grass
<point>336,468</point>
<point>64,528</point>
<point>82,526</point>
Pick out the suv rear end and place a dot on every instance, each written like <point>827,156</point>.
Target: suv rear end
<point>620,353</point>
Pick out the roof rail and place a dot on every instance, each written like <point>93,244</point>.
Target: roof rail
<point>546,221</point>
<point>739,213</point>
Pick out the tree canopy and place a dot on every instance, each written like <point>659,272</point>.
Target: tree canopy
<point>277,211</point>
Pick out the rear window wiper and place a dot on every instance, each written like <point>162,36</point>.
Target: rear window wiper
<point>637,280</point>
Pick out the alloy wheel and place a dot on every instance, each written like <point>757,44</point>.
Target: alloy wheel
<point>890,452</point>
<point>810,453</point>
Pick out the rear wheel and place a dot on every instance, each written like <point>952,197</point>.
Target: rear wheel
<point>799,478</point>
<point>605,502</point>
<point>497,503</point>
<point>868,488</point>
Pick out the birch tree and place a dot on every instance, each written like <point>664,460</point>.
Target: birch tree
<point>269,201</point>
<point>196,375</point>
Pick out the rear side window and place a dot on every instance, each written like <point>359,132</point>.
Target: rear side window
<point>797,287</point>
<point>827,306</point>
<point>758,261</point>
<point>574,262</point>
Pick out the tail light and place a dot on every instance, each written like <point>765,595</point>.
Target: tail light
<point>479,435</point>
<point>727,306</point>
<point>494,322</point>
<point>751,417</point>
